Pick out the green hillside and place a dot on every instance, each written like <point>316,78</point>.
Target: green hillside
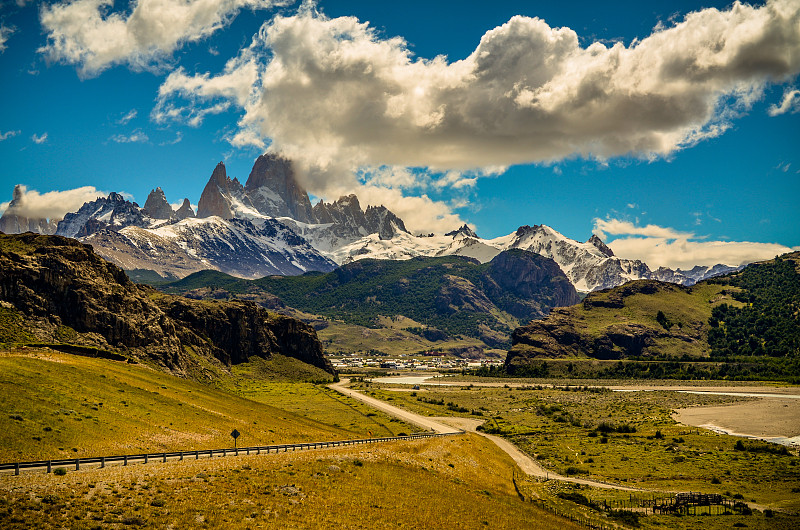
<point>65,406</point>
<point>448,296</point>
<point>742,326</point>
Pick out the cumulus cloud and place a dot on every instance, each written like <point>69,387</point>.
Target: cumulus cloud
<point>662,246</point>
<point>333,91</point>
<point>137,136</point>
<point>8,134</point>
<point>88,34</point>
<point>39,139</point>
<point>52,204</point>
<point>789,103</point>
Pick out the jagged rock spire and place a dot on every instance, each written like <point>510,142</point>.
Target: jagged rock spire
<point>185,211</point>
<point>156,205</point>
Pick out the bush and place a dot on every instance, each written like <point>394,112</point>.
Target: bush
<point>626,517</point>
<point>60,471</point>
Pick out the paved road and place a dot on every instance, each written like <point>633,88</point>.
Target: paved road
<point>455,424</point>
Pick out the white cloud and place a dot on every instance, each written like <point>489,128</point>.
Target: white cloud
<point>52,204</point>
<point>789,103</point>
<point>5,33</point>
<point>334,92</point>
<point>89,34</point>
<point>39,139</point>
<point>127,117</point>
<point>137,136</point>
<point>616,227</point>
<point>8,134</point>
<point>662,246</point>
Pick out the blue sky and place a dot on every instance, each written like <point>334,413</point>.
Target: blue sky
<point>468,137</point>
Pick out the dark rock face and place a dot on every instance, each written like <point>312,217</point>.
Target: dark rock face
<point>185,211</point>
<point>274,191</point>
<point>528,275</point>
<point>13,222</point>
<point>57,281</point>
<point>156,205</point>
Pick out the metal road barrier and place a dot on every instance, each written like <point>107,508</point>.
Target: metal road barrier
<point>75,463</point>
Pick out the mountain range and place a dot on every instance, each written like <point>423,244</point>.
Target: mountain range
<point>442,298</point>
<point>268,226</point>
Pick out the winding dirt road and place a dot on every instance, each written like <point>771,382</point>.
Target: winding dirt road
<point>455,425</point>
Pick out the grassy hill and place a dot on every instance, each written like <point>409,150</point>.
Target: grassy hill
<point>448,296</point>
<point>62,406</point>
<point>742,326</point>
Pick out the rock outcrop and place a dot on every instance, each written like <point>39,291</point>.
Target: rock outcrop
<point>58,283</point>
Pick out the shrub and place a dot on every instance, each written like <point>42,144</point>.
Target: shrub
<point>626,517</point>
<point>60,471</point>
<point>158,502</point>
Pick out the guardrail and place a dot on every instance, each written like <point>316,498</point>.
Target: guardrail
<point>49,465</point>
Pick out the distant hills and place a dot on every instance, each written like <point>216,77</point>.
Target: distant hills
<point>268,226</point>
<point>447,297</point>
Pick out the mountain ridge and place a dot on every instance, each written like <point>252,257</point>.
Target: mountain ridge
<point>268,226</point>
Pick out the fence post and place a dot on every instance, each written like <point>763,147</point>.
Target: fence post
<point>49,466</point>
<point>77,464</point>
<point>102,462</point>
<point>125,460</point>
<point>16,468</point>
<point>197,455</point>
<point>145,458</point>
<point>165,457</point>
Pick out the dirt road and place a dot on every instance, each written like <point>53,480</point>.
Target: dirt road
<point>410,417</point>
<point>455,424</point>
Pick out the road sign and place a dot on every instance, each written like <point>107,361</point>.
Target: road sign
<point>235,434</point>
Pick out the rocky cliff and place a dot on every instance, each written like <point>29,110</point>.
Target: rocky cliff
<point>67,292</point>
